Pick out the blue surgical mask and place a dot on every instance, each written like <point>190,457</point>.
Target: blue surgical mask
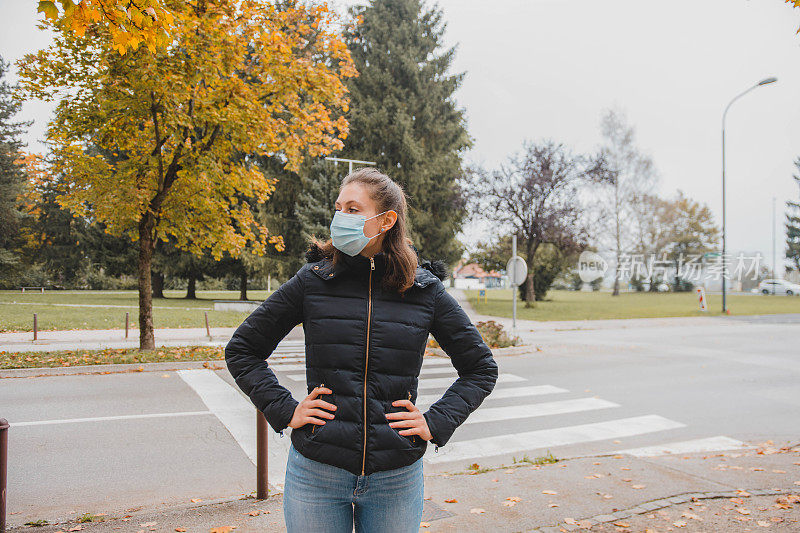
<point>347,232</point>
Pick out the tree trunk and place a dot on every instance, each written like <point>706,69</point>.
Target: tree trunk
<point>243,285</point>
<point>530,291</point>
<point>146,246</point>
<point>158,284</point>
<point>191,290</point>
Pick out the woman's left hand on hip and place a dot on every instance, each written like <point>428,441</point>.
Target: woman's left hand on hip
<point>411,419</point>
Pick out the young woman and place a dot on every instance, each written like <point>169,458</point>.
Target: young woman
<point>367,307</point>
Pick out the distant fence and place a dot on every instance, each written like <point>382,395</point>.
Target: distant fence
<point>39,289</point>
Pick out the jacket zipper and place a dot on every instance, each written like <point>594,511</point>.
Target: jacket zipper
<point>366,365</point>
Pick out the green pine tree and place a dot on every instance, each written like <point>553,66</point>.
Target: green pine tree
<point>315,203</point>
<point>12,178</point>
<point>404,117</point>
<point>793,225</point>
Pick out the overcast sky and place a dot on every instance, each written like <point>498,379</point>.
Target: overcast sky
<point>548,68</point>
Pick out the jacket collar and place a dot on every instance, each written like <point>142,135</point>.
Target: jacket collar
<point>360,262</point>
<point>326,270</point>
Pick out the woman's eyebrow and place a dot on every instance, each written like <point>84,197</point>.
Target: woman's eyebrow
<point>350,202</point>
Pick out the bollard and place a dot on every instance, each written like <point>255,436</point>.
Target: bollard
<point>208,331</point>
<point>3,471</point>
<point>126,324</point>
<point>34,327</point>
<point>262,489</point>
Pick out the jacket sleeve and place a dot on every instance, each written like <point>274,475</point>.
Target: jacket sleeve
<point>254,341</point>
<point>471,357</point>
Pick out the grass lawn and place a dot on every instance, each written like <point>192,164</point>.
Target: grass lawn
<point>106,309</point>
<point>575,305</point>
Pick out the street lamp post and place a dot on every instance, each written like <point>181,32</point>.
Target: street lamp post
<point>350,162</point>
<point>765,81</point>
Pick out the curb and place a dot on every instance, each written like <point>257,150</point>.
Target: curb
<point>109,369</point>
<point>661,503</point>
<point>167,509</point>
<point>134,367</point>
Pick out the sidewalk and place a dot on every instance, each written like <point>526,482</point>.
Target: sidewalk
<point>758,489</point>
<point>93,339</point>
<point>528,330</point>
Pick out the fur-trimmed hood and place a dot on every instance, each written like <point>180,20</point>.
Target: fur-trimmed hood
<point>437,267</point>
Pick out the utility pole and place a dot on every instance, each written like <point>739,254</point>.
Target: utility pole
<point>765,81</point>
<point>514,287</point>
<point>774,257</point>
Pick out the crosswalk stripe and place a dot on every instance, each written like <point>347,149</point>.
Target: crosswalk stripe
<point>238,414</point>
<point>544,438</point>
<point>288,367</point>
<point>425,372</point>
<point>500,393</point>
<point>301,357</point>
<point>430,383</point>
<point>429,361</point>
<point>512,412</point>
<point>709,444</point>
<point>295,364</point>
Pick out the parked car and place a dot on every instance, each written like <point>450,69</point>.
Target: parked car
<point>778,286</point>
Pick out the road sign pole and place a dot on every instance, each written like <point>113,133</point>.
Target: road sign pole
<point>517,271</point>
<point>514,287</point>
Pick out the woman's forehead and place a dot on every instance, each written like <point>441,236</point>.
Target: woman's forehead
<point>354,194</point>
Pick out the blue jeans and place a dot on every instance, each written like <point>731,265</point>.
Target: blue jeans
<point>323,498</point>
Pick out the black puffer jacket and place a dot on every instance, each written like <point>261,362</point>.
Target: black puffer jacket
<point>366,345</point>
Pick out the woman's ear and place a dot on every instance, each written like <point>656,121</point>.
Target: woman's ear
<point>391,219</point>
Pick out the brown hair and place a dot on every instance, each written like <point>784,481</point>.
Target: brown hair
<point>401,259</point>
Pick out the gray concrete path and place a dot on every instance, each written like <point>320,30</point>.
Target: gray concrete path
<point>722,492</point>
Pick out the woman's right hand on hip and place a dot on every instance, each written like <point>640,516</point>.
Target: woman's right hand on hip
<point>309,408</point>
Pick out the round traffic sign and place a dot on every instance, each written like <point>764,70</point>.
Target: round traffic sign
<point>517,270</point>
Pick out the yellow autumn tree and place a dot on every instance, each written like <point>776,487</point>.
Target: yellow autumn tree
<point>159,144</point>
<point>130,23</point>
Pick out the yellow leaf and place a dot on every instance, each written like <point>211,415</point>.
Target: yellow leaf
<point>49,9</point>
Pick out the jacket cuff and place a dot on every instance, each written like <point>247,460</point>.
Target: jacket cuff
<point>434,429</point>
<point>285,416</point>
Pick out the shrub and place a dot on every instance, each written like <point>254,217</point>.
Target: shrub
<point>494,336</point>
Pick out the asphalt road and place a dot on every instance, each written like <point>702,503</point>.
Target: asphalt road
<point>100,442</point>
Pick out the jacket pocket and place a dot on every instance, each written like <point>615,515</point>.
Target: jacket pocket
<point>316,429</point>
<point>407,440</point>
